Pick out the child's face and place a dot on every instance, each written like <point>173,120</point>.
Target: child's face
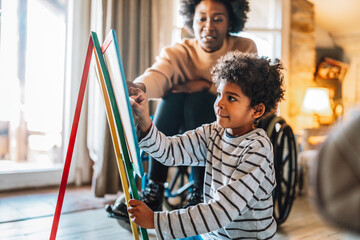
<point>232,109</point>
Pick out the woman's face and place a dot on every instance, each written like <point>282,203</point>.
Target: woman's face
<point>211,24</point>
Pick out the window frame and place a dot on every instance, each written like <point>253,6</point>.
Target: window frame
<point>77,36</point>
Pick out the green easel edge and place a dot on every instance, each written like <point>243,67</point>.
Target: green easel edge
<point>118,125</point>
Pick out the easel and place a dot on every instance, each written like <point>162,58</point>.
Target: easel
<point>119,139</point>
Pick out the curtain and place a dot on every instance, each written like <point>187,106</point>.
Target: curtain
<point>78,27</point>
<point>142,28</point>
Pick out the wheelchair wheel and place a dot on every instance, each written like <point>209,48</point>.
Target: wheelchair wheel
<point>177,190</point>
<point>285,162</point>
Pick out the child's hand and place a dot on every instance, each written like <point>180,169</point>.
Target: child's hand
<point>141,214</point>
<point>140,106</point>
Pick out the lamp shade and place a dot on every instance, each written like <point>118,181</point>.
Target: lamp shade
<point>316,101</point>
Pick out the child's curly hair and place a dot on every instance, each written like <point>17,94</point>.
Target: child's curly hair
<point>237,10</point>
<point>258,79</point>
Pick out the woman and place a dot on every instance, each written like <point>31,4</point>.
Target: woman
<point>181,77</point>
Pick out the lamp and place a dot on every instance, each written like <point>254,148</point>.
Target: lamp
<point>316,102</point>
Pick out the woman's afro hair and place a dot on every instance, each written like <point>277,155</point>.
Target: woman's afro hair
<point>237,10</point>
<point>258,78</point>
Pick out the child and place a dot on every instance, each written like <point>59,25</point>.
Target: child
<point>238,157</point>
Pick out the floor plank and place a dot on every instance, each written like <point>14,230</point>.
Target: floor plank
<point>304,222</point>
<point>92,223</point>
<point>89,224</point>
<point>23,205</point>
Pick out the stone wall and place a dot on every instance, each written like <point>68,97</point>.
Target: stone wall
<point>302,62</point>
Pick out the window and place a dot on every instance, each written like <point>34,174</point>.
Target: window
<point>0,18</point>
<point>32,57</point>
<point>264,26</point>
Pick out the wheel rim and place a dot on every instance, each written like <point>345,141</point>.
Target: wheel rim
<point>177,190</point>
<point>285,161</point>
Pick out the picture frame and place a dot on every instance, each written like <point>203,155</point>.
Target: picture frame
<point>331,69</point>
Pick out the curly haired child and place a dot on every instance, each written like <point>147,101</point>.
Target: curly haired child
<point>238,156</point>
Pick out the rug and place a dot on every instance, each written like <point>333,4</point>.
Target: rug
<point>29,204</point>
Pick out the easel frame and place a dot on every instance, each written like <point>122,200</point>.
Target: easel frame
<point>125,165</point>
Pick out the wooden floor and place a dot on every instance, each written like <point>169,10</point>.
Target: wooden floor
<point>304,222</point>
<point>91,222</point>
<point>23,205</point>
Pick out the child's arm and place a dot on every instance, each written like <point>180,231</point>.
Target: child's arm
<point>188,149</point>
<point>250,185</point>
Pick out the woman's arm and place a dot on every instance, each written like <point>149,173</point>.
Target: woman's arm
<point>191,86</point>
<point>167,71</point>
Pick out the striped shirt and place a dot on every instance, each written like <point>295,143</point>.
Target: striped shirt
<point>238,185</point>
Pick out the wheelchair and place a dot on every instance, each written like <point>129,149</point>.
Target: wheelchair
<point>285,164</point>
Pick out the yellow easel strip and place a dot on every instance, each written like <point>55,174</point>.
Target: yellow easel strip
<point>121,167</point>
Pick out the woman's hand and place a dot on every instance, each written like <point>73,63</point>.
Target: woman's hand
<point>133,86</point>
<point>141,214</point>
<point>191,86</point>
<point>140,107</point>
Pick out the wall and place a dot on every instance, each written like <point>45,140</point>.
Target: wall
<point>350,43</point>
<point>302,60</point>
<point>305,38</point>
<point>341,21</point>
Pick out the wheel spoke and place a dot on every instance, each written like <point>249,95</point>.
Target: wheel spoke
<point>285,181</point>
<point>173,181</point>
<point>287,157</point>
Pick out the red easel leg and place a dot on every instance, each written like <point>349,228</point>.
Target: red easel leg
<point>71,141</point>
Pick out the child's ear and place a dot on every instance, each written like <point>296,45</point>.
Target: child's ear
<point>259,110</point>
